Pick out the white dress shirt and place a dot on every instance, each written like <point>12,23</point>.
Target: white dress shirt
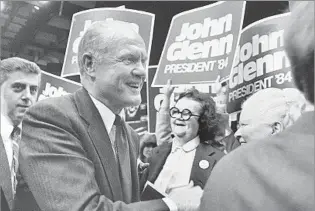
<point>6,130</point>
<point>108,118</point>
<point>177,168</point>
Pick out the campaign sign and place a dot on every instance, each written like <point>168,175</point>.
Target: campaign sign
<point>200,45</point>
<point>138,113</point>
<point>141,127</point>
<point>260,61</point>
<point>142,22</point>
<point>154,98</point>
<point>55,86</point>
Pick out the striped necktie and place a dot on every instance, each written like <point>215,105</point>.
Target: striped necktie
<point>15,137</point>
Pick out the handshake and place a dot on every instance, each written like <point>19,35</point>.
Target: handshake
<point>179,198</point>
<point>186,198</point>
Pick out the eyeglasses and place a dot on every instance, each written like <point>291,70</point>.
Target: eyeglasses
<point>184,114</point>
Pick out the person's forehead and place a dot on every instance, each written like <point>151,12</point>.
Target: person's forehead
<point>188,104</point>
<point>126,47</point>
<point>24,78</point>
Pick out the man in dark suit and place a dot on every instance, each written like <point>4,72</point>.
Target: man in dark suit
<point>3,201</point>
<point>276,173</point>
<point>19,81</point>
<point>72,155</point>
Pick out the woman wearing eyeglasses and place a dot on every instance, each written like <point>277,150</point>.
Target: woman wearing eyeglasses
<point>187,156</point>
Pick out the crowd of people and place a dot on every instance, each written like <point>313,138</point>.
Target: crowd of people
<point>76,152</point>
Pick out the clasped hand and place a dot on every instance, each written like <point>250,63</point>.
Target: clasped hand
<point>187,198</point>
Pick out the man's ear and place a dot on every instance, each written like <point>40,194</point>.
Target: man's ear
<point>277,127</point>
<point>89,64</point>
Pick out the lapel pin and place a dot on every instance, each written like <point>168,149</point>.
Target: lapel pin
<point>204,164</point>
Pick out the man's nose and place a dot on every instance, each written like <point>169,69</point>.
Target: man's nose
<point>26,95</point>
<point>140,70</point>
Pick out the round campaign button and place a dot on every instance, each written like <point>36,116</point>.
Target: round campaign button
<point>204,164</point>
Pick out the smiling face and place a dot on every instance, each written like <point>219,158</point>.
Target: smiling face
<point>254,124</point>
<point>119,76</point>
<point>252,129</point>
<point>265,113</point>
<point>186,130</point>
<point>18,93</point>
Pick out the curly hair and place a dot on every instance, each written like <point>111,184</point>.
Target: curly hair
<point>208,120</point>
<point>147,140</point>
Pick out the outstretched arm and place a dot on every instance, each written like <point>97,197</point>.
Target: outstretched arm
<point>163,129</point>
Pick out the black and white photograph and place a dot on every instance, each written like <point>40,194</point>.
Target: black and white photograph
<point>157,106</point>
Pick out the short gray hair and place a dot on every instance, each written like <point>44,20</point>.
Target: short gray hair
<point>15,64</point>
<point>98,38</point>
<point>274,105</point>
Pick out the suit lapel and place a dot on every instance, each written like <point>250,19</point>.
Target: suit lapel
<point>100,140</point>
<point>133,164</point>
<point>5,175</point>
<point>158,161</point>
<point>201,171</point>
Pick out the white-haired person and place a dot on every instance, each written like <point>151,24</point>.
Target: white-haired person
<point>77,153</point>
<point>276,173</point>
<point>269,112</point>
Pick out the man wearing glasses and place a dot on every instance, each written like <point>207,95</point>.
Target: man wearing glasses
<point>188,158</point>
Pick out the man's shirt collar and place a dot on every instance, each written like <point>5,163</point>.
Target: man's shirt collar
<point>107,115</point>
<point>6,127</point>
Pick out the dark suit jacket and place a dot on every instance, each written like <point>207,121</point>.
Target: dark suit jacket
<point>276,174</point>
<point>231,143</point>
<point>24,199</point>
<point>3,202</point>
<point>66,158</point>
<point>198,175</point>
<point>5,175</point>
